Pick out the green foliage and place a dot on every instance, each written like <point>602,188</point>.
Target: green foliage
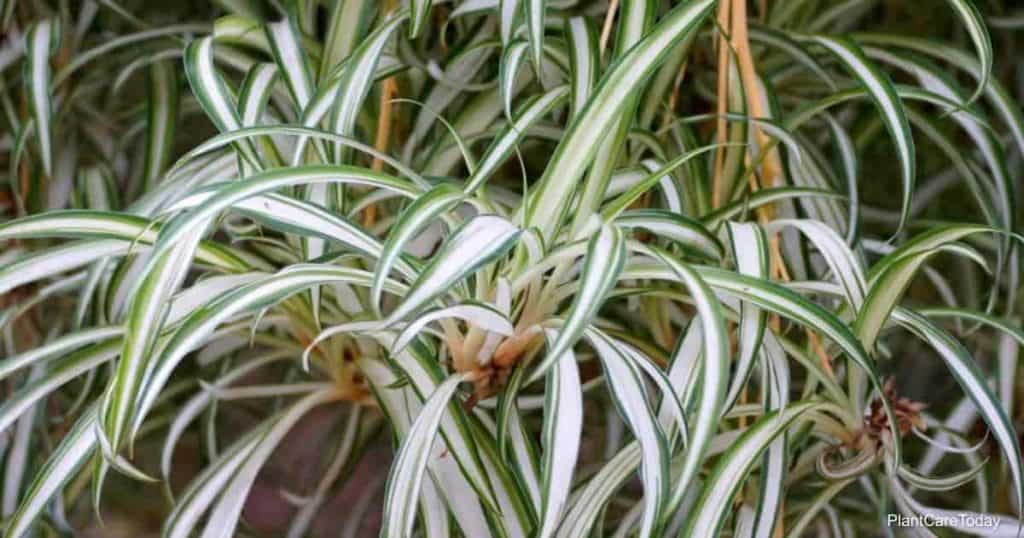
<point>624,268</point>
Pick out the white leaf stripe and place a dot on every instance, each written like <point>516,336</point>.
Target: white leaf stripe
<point>187,412</point>
<point>252,99</point>
<point>162,111</point>
<point>348,23</point>
<point>223,139</point>
<point>283,37</point>
<point>355,82</point>
<point>776,378</point>
<point>975,26</point>
<point>423,210</point>
<point>563,424</point>
<point>508,11</point>
<point>77,446</point>
<point>762,197</point>
<point>530,113</point>
<point>259,294</point>
<point>225,514</point>
<point>291,215</point>
<point>205,488</point>
<point>533,11</point>
<point>629,395</point>
<point>57,348</point>
<point>689,234</point>
<point>891,275</point>
<point>50,262</point>
<point>882,92</point>
<point>995,92</point>
<point>605,257</point>
<point>424,374</point>
<point>420,10</point>
<point>712,508</point>
<point>784,302</point>
<point>620,203</point>
<point>65,370</point>
<point>593,497</point>
<point>672,400</point>
<point>400,404</point>
<point>406,475</point>
<point>208,87</point>
<point>714,371</point>
<point>39,43</point>
<point>517,516</point>
<point>750,252</point>
<point>511,61</point>
<point>228,194</point>
<point>839,258</point>
<point>213,94</point>
<point>475,314</point>
<point>130,229</point>
<point>548,203</point>
<point>477,242</point>
<point>584,60</point>
<point>159,279</point>
<point>972,381</point>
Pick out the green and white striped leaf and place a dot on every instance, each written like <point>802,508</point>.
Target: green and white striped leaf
<point>474,314</point>
<point>549,202</point>
<point>883,93</point>
<point>286,46</point>
<point>57,348</point>
<point>511,61</point>
<point>732,468</point>
<point>224,515</point>
<point>474,244</point>
<point>213,94</point>
<point>75,449</point>
<point>563,425</point>
<point>419,9</point>
<point>40,41</point>
<point>604,259</point>
<point>891,275</point>
<point>508,11</point>
<point>425,209</point>
<point>161,120</point>
<point>112,225</point>
<point>975,26</point>
<point>784,302</point>
<point>70,367</point>
<point>750,252</point>
<point>714,372</point>
<point>355,81</point>
<point>534,13</point>
<point>204,489</point>
<point>845,266</point>
<point>692,236</point>
<point>584,60</point>
<point>970,378</point>
<point>531,112</point>
<point>226,195</point>
<point>262,293</point>
<point>773,467</point>
<point>406,476</point>
<point>630,397</point>
<point>161,277</point>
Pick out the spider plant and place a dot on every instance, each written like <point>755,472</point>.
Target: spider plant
<point>624,268</point>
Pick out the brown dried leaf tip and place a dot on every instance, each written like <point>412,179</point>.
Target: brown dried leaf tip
<point>876,422</point>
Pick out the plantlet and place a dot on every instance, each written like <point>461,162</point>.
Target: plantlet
<point>625,268</point>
